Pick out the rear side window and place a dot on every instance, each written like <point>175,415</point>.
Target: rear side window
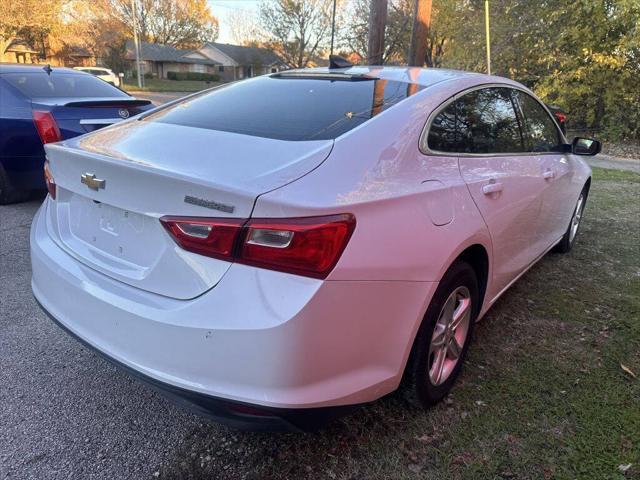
<point>482,121</point>
<point>284,108</point>
<point>541,133</point>
<point>59,85</point>
<point>442,135</point>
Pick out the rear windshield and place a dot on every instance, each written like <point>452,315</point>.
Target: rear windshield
<point>57,85</point>
<point>288,108</point>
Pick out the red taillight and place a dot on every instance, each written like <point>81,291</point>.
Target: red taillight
<point>46,126</point>
<point>211,237</point>
<point>48,178</point>
<point>561,117</point>
<point>304,246</point>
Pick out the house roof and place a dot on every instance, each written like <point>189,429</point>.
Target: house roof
<point>20,46</point>
<point>248,55</point>
<point>75,51</point>
<point>157,52</point>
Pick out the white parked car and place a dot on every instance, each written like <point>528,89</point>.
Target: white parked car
<point>103,73</point>
<point>278,250</point>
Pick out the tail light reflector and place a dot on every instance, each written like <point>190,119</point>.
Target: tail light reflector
<point>308,246</point>
<point>46,126</point>
<point>48,178</point>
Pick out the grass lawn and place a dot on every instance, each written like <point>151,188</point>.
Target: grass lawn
<point>543,394</point>
<point>162,85</point>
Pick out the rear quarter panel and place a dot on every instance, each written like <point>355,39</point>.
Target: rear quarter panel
<point>414,213</point>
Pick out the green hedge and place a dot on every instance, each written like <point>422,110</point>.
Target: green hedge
<point>207,77</point>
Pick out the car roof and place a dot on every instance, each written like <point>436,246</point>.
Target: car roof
<point>417,75</point>
<point>26,68</point>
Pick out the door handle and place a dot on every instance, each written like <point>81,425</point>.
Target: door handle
<point>549,174</point>
<point>491,187</point>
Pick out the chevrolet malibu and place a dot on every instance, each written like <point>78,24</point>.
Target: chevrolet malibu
<point>276,251</point>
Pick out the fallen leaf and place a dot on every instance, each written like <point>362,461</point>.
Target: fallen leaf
<point>624,468</point>
<point>628,370</point>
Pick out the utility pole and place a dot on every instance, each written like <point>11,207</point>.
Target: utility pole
<point>135,41</point>
<point>488,35</point>
<point>333,25</point>
<point>419,33</point>
<point>377,24</point>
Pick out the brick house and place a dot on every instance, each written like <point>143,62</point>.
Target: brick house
<point>230,62</point>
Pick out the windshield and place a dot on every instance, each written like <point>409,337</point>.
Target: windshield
<point>288,108</point>
<point>59,85</point>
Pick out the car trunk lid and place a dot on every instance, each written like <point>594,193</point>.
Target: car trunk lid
<point>149,170</point>
<point>76,116</point>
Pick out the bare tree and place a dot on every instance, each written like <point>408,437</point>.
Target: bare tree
<point>244,27</point>
<point>297,29</point>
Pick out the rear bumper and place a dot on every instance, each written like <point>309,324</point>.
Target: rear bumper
<point>234,414</point>
<point>260,338</point>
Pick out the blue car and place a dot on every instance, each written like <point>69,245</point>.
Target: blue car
<point>42,104</point>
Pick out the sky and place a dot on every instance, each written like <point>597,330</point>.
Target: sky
<point>222,8</point>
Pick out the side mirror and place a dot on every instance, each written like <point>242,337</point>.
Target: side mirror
<point>585,146</point>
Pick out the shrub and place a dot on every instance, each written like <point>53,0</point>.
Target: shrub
<point>207,77</point>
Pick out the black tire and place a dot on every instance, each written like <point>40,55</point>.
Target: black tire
<point>8,194</point>
<point>417,376</point>
<point>568,240</point>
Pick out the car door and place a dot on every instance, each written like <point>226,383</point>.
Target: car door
<point>505,184</point>
<point>543,139</point>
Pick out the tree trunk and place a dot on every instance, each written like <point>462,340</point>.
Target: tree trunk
<point>377,24</point>
<point>420,33</point>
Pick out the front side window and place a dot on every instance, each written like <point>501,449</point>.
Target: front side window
<point>481,121</point>
<point>541,134</point>
<point>487,122</point>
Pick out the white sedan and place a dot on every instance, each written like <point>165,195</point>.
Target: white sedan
<point>102,73</point>
<point>278,250</point>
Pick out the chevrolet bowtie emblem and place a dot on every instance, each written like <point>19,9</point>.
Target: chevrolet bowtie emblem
<point>90,180</point>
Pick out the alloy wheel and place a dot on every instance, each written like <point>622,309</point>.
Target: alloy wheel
<point>449,335</point>
<point>577,216</point>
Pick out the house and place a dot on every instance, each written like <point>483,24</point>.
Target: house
<point>157,59</point>
<point>51,52</point>
<point>238,61</point>
<point>19,51</point>
<point>70,56</point>
<point>229,62</point>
